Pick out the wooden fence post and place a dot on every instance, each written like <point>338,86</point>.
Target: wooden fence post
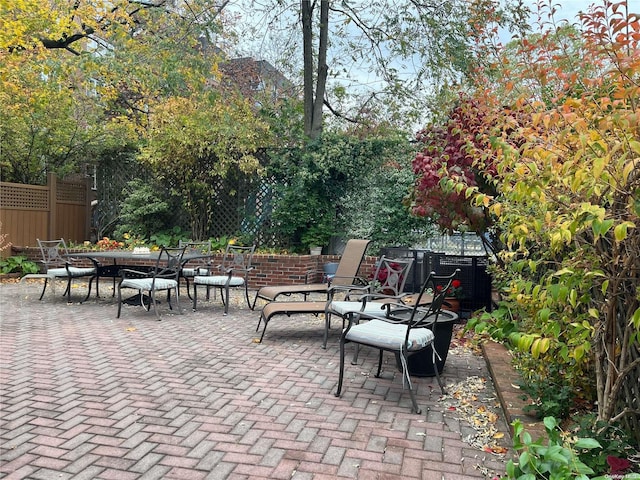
<point>52,185</point>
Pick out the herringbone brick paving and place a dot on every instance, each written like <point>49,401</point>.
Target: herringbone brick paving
<point>84,395</point>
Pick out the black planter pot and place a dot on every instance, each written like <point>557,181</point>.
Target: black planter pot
<point>421,364</point>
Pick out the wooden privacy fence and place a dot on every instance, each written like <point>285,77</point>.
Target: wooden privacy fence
<point>61,209</point>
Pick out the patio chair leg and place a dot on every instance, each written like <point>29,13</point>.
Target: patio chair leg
<point>341,373</point>
<point>246,295</point>
<point>46,280</point>
<point>146,307</point>
<point>354,360</point>
<point>379,364</point>
<point>89,290</point>
<point>405,376</point>
<point>435,369</point>
<point>255,299</point>
<point>325,337</point>
<point>119,302</point>
<point>186,279</point>
<point>327,327</point>
<point>416,408</point>
<point>226,302</point>
<point>263,331</point>
<point>67,292</point>
<point>195,296</point>
<point>180,312</point>
<point>155,305</point>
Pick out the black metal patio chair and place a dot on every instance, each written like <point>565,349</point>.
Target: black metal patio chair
<point>401,329</point>
<point>59,264</point>
<point>232,272</point>
<point>164,276</point>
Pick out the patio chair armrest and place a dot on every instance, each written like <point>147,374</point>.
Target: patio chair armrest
<point>130,273</point>
<point>202,264</point>
<point>388,302</point>
<point>203,270</point>
<point>242,269</point>
<point>395,311</point>
<point>348,290</point>
<point>356,283</point>
<point>94,261</point>
<point>399,299</point>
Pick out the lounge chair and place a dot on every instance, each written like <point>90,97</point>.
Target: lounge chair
<point>387,282</point>
<point>346,272</point>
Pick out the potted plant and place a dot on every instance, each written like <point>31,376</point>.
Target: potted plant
<point>315,238</point>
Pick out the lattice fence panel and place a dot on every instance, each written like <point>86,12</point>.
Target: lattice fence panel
<point>112,178</point>
<point>24,197</point>
<point>71,192</point>
<point>242,204</point>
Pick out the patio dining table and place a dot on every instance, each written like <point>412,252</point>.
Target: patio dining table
<point>122,259</point>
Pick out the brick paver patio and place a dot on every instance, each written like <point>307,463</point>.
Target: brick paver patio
<point>87,396</point>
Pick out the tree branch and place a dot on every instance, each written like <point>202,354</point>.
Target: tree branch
<point>338,114</point>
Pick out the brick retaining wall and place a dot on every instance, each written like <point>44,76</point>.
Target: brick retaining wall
<point>270,269</point>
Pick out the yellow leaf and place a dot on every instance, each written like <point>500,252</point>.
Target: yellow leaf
<point>635,146</point>
<point>628,168</point>
<point>620,232</point>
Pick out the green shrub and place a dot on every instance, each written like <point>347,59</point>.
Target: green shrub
<point>615,442</point>
<point>169,238</point>
<point>18,264</point>
<point>558,459</point>
<point>550,395</point>
<point>146,210</point>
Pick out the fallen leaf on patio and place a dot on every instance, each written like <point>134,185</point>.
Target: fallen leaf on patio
<point>499,450</point>
<point>474,404</point>
<point>256,340</point>
<point>131,329</point>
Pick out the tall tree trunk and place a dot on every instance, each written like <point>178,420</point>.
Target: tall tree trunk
<point>307,43</point>
<point>314,98</point>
